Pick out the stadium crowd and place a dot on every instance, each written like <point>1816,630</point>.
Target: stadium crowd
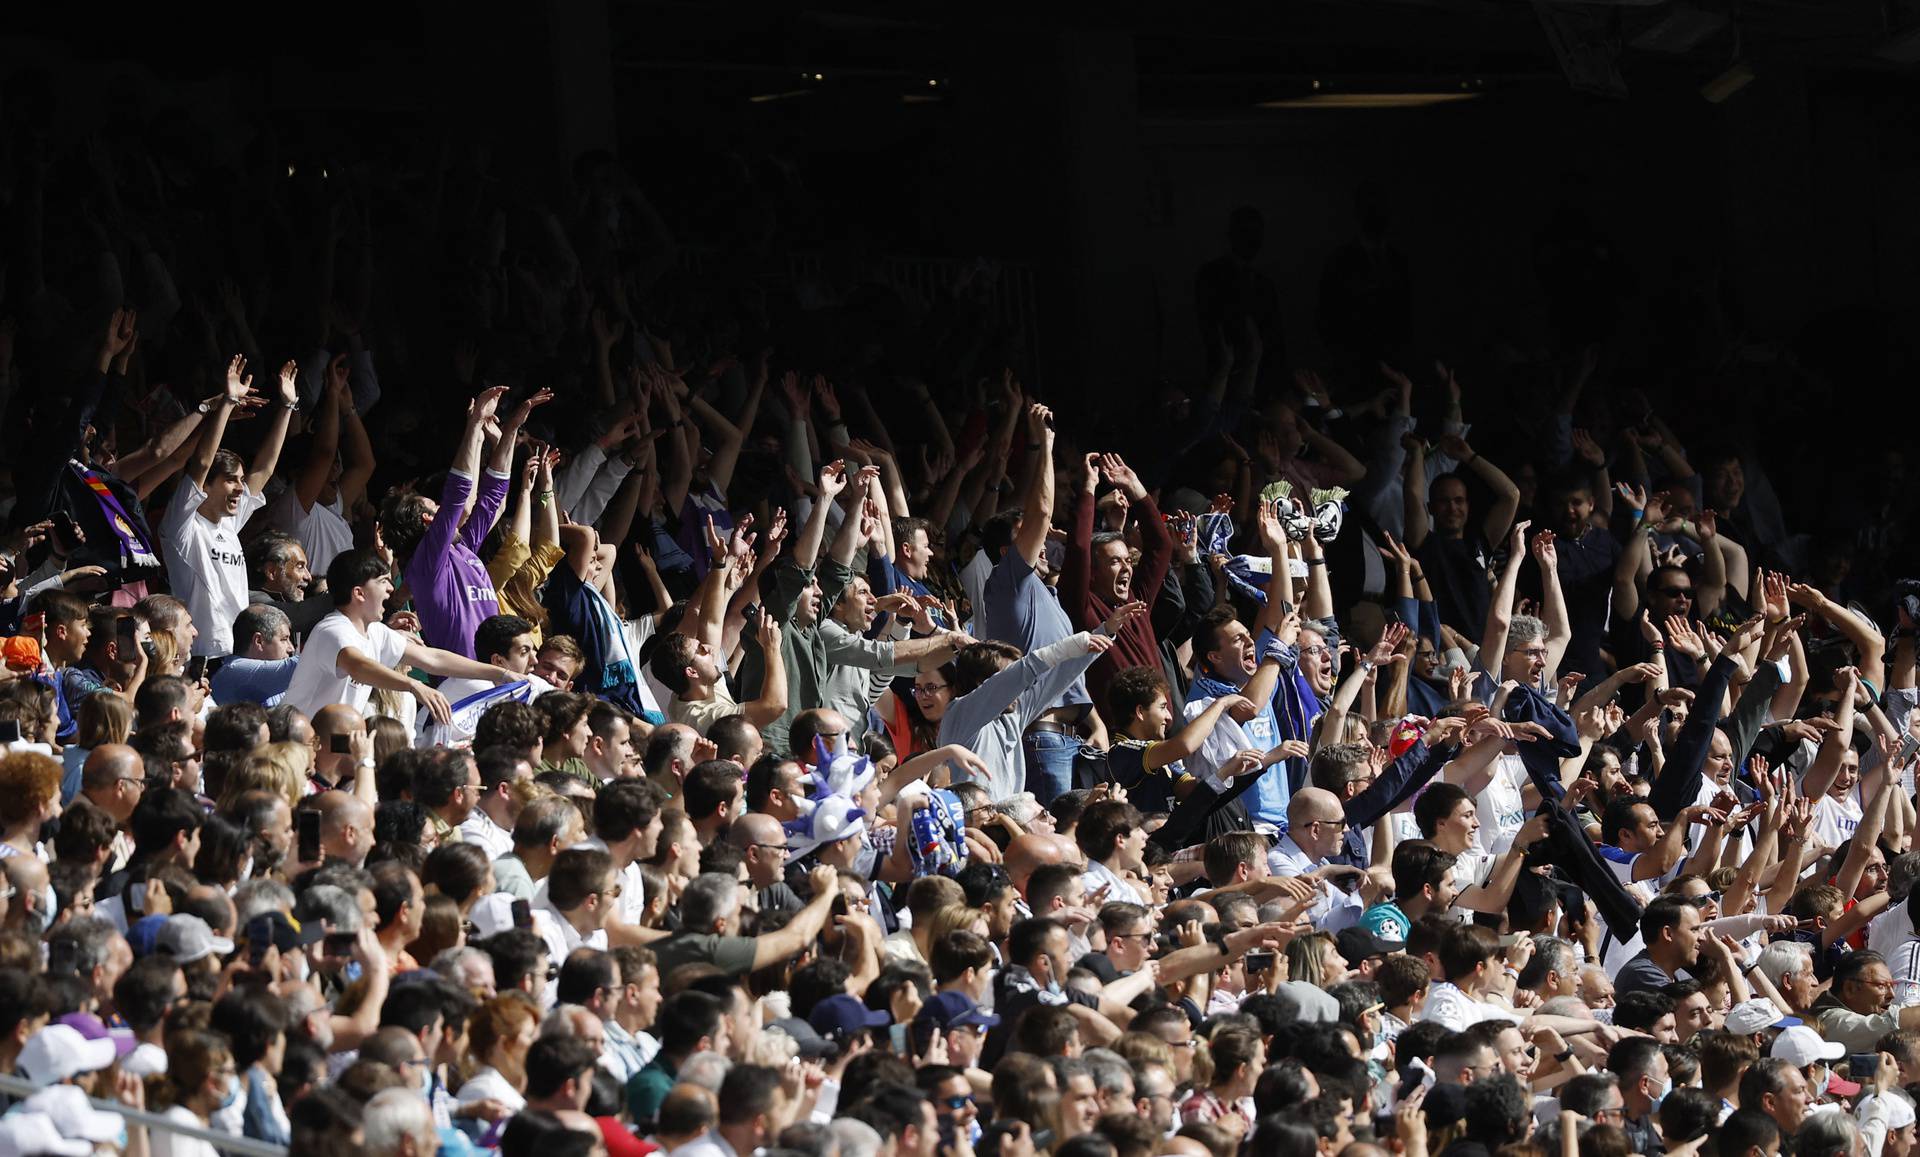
<point>465,689</point>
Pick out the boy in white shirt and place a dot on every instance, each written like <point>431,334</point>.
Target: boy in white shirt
<point>351,652</point>
<point>201,540</point>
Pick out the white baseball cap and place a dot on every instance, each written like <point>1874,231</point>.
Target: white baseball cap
<point>188,938</point>
<point>491,915</point>
<point>59,1051</point>
<point>74,1115</point>
<point>23,1134</point>
<point>1752,1016</point>
<point>1800,1046</point>
<point>1899,1110</point>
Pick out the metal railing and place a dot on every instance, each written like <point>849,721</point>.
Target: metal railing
<point>16,1087</point>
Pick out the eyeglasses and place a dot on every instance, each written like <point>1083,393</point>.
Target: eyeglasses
<point>612,893</point>
<point>1130,936</point>
<point>780,848</point>
<point>1534,652</point>
<point>921,691</point>
<point>1674,592</point>
<point>1316,649</point>
<point>959,1102</point>
<point>1189,1043</point>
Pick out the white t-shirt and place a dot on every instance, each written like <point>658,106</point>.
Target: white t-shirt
<point>1834,820</point>
<point>1501,808</point>
<point>317,683</point>
<point>206,566</point>
<point>166,1144</point>
<point>323,531</point>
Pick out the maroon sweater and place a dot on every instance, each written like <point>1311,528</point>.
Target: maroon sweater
<point>1136,645</point>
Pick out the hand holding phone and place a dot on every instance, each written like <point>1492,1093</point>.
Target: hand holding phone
<point>309,837</point>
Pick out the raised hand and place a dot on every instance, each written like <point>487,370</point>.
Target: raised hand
<point>1683,638</point>
<point>833,480</point>
<point>1387,650</point>
<point>1587,450</point>
<point>1455,447</point>
<point>540,398</point>
<point>239,381</point>
<point>1117,472</point>
<point>1634,496</point>
<point>290,383</point>
<point>1544,552</point>
<point>1039,423</point>
<point>1090,478</point>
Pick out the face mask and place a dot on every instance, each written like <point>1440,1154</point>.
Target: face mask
<point>1826,1075</point>
<point>233,1092</point>
<point>1660,1094</point>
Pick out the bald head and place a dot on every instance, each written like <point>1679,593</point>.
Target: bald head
<point>1029,852</point>
<point>107,764</point>
<point>346,826</point>
<point>1316,819</point>
<point>761,837</point>
<point>335,718</point>
<point>756,828</point>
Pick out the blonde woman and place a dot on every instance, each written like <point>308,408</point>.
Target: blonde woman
<point>279,768</point>
<point>102,719</point>
<point>389,735</point>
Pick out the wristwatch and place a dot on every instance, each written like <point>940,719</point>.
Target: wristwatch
<point>206,407</point>
<point>367,763</point>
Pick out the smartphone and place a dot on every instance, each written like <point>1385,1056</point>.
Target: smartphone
<point>259,939</point>
<point>1862,1067</point>
<point>339,943</point>
<point>1260,960</point>
<point>9,731</point>
<point>309,837</point>
<point>522,914</point>
<point>196,669</point>
<point>1043,1138</point>
<point>127,628</point>
<point>1511,939</point>
<point>63,956</point>
<point>837,908</point>
<point>65,533</point>
<point>897,1038</point>
<point>340,744</point>
<point>136,900</point>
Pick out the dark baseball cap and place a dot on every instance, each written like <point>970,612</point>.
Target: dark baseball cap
<point>844,1016</point>
<point>1356,944</point>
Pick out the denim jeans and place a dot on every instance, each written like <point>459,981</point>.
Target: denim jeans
<point>1049,763</point>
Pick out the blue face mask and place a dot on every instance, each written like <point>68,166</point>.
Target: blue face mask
<point>1660,1094</point>
<point>233,1092</point>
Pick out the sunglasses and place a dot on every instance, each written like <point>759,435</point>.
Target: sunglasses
<point>957,1103</point>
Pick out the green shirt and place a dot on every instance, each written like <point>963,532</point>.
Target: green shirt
<point>648,1087</point>
<point>577,768</point>
<point>732,955</point>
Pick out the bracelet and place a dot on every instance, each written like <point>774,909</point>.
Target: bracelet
<point>1658,646</point>
<point>1563,1056</point>
<point>293,405</point>
<point>1316,562</point>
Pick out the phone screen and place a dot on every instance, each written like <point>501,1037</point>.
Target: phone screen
<point>522,914</point>
<point>309,850</point>
<point>340,744</point>
<point>9,731</point>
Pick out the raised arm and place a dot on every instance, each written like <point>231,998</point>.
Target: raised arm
<point>267,459</point>
<point>1506,496</point>
<point>1865,637</point>
<point>239,385</point>
<point>326,436</point>
<point>1553,603</point>
<point>734,434</point>
<point>1826,765</point>
<point>806,545</point>
<point>1634,550</point>
<point>772,703</point>
<point>1413,492</point>
<point>1493,643</point>
<point>1037,508</point>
